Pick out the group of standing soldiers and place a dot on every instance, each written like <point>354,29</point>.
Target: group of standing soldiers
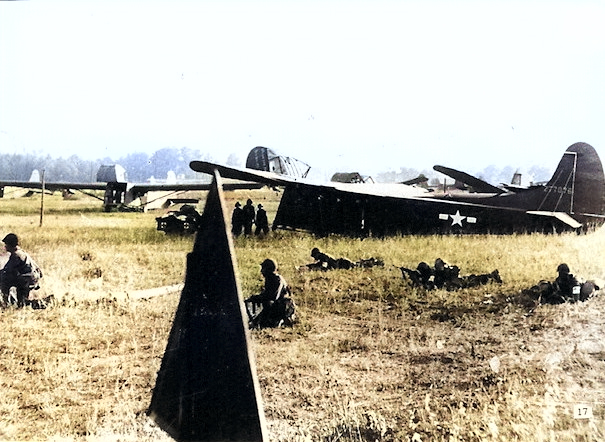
<point>243,219</point>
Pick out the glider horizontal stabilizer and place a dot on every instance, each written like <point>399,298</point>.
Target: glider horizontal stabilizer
<point>563,217</point>
<point>477,184</point>
<point>418,180</point>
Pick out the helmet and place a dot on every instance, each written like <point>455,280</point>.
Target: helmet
<point>268,264</point>
<point>424,268</point>
<point>587,290</point>
<point>563,268</point>
<point>315,252</point>
<point>11,240</point>
<point>440,264</point>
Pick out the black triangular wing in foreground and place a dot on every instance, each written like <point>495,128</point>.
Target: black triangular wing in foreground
<point>207,389</point>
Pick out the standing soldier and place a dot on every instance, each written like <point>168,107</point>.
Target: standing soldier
<point>249,215</point>
<point>262,223</point>
<point>237,220</point>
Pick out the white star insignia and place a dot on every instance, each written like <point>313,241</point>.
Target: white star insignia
<point>457,218</point>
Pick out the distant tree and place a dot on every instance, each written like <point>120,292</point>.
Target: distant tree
<point>61,169</point>
<point>16,167</point>
<point>434,182</point>
<point>137,166</point>
<point>164,160</point>
<point>488,173</point>
<point>9,168</point>
<point>188,155</point>
<point>540,174</point>
<point>106,161</point>
<point>404,174</point>
<point>497,175</point>
<point>140,166</point>
<point>506,175</point>
<point>234,160</point>
<point>209,158</point>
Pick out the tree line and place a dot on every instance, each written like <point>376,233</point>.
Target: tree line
<point>139,166</point>
<point>492,174</point>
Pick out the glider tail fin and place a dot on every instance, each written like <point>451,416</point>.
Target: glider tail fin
<point>578,185</point>
<point>35,176</point>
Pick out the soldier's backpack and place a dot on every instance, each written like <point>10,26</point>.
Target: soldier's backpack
<point>289,311</point>
<point>33,274</point>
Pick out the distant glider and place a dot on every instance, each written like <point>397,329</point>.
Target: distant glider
<point>573,200</point>
<point>118,191</point>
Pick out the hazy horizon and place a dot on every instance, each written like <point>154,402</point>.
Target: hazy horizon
<point>358,85</point>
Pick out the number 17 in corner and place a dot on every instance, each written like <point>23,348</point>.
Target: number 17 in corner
<point>582,411</point>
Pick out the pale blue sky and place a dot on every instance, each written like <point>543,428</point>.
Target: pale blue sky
<point>364,85</point>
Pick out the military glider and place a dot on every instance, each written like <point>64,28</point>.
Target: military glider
<point>572,200</point>
<point>118,191</point>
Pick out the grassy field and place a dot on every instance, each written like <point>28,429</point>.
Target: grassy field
<point>370,359</point>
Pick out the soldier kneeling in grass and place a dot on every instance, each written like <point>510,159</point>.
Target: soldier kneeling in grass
<point>20,273</point>
<point>276,306</point>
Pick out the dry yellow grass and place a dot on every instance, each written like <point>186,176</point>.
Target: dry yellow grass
<point>371,357</point>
